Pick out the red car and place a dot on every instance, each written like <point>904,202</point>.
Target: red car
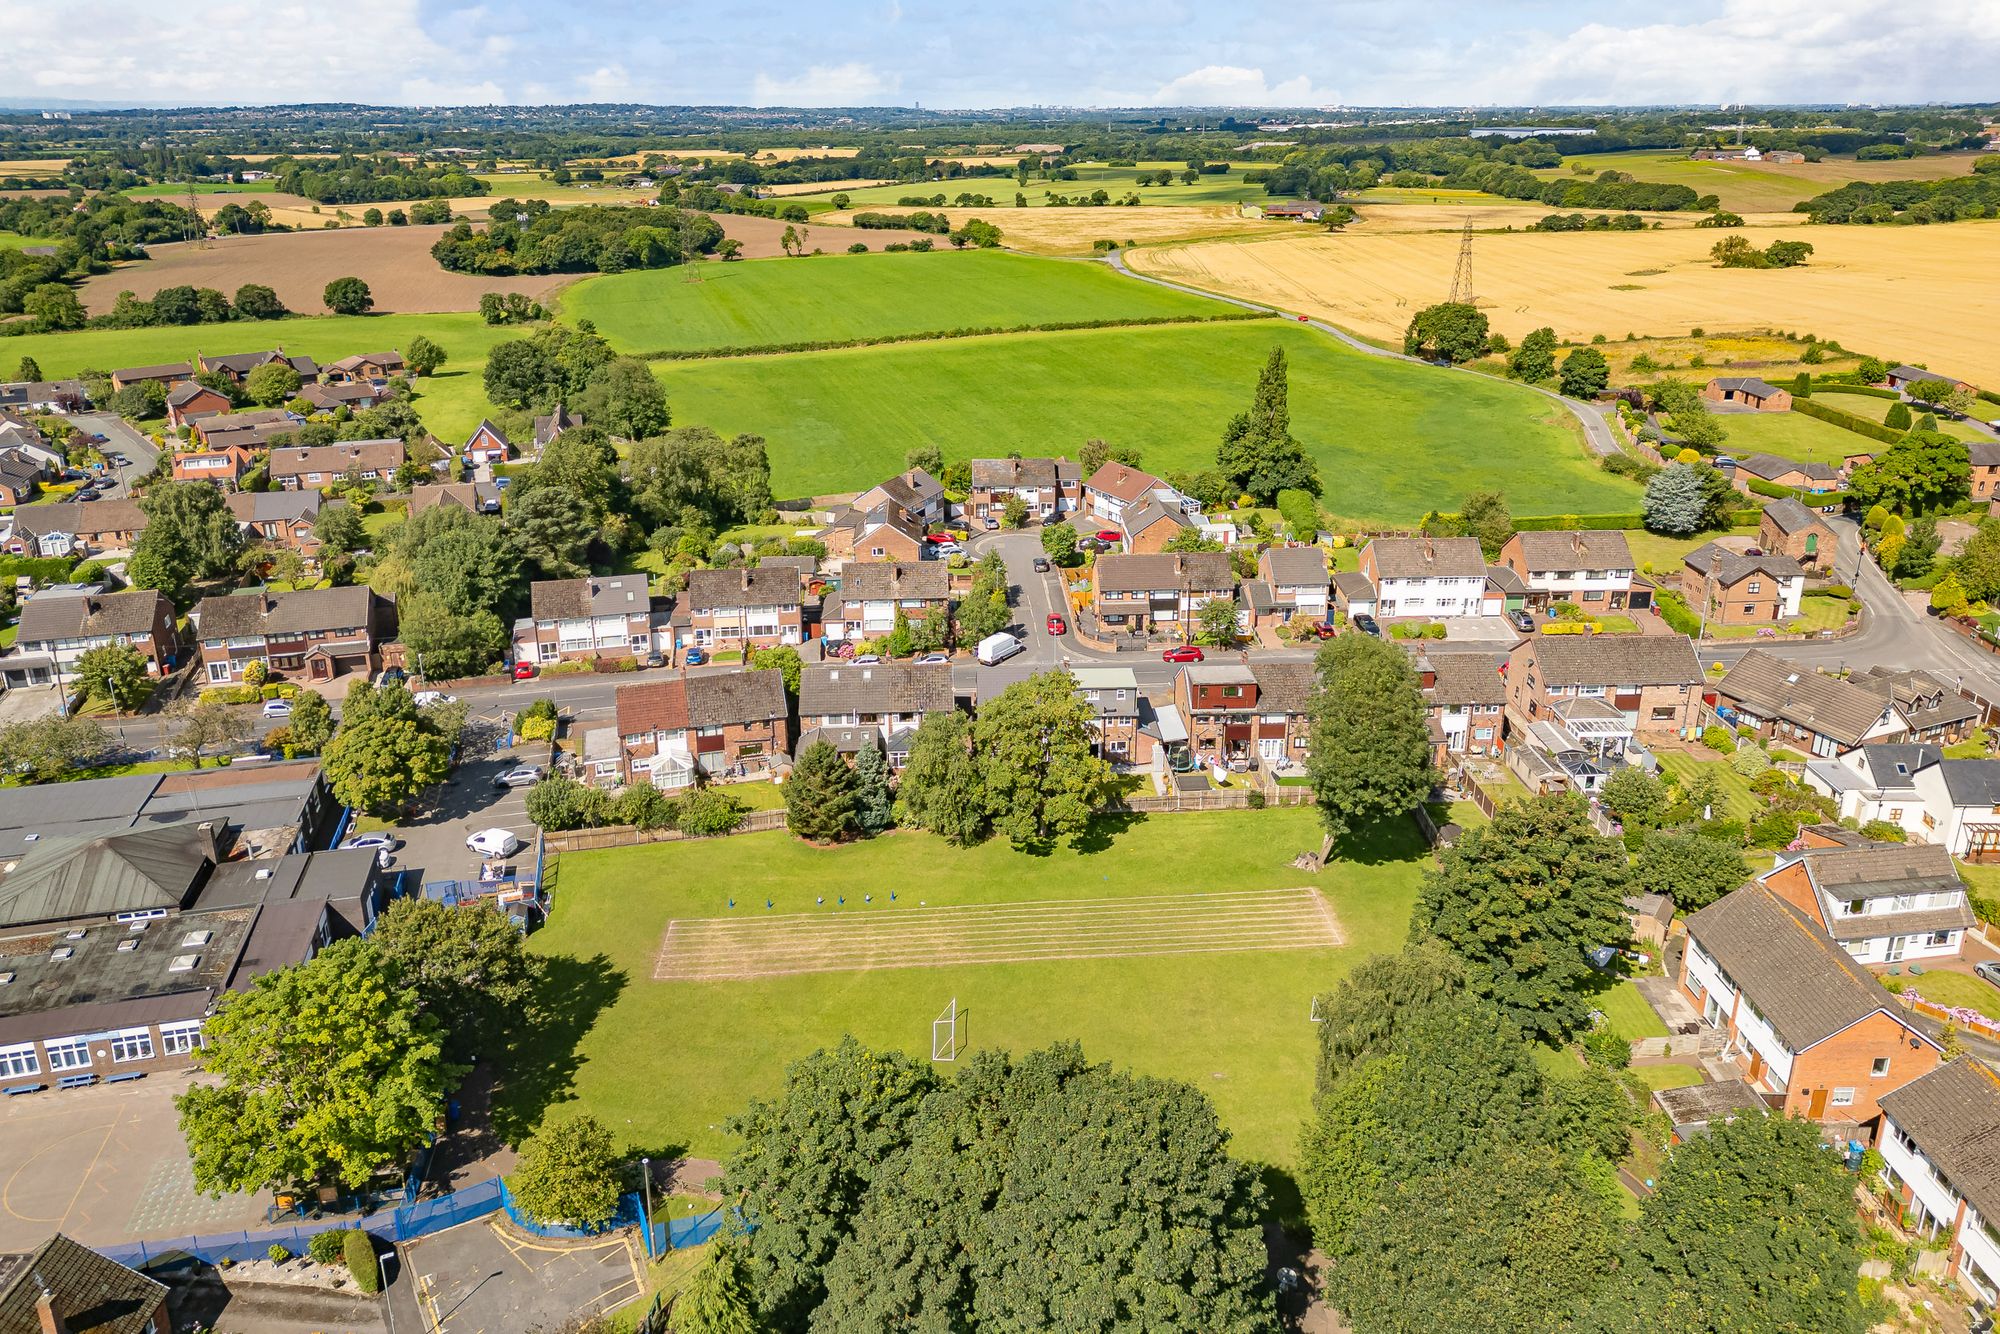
<point>1185,653</point>
<point>935,538</point>
<point>1324,630</point>
<point>1110,535</point>
<point>1057,625</point>
<point>524,671</point>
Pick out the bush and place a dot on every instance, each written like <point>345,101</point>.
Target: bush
<point>1750,760</point>
<point>1775,829</point>
<point>708,811</point>
<point>1603,1047</point>
<point>1884,831</point>
<point>358,1248</point>
<point>1676,613</point>
<point>1846,420</point>
<point>326,1248</point>
<point>278,1254</point>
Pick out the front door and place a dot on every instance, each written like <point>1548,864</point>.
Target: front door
<point>1896,944</point>
<point>1817,1108</point>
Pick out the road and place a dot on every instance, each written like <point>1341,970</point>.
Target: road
<point>121,437</point>
<point>1597,431</point>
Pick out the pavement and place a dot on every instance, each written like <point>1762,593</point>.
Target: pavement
<point>213,1303</point>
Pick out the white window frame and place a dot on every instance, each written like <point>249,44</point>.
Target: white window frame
<point>1879,1069</point>
<point>178,1039</point>
<point>1842,1097</point>
<point>68,1054</point>
<point>131,1044</point>
<point>19,1060</point>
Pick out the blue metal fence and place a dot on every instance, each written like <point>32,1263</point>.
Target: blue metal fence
<point>630,1210</point>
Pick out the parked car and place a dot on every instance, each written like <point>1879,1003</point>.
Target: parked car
<point>990,523</point>
<point>1989,970</point>
<point>1108,535</point>
<point>84,495</point>
<point>524,671</point>
<point>494,843</point>
<point>390,676</point>
<point>427,698</point>
<point>1092,544</point>
<point>1041,565</point>
<point>1185,653</point>
<point>1366,625</point>
<point>928,659</point>
<point>867,659</point>
<point>695,657</point>
<point>939,539</point>
<point>277,708</point>
<point>521,775</point>
<point>1324,630</point>
<point>1521,621</point>
<point>375,842</point>
<point>1057,625</point>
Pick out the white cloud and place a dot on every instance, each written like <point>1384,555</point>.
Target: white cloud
<point>851,84</point>
<point>1233,85</point>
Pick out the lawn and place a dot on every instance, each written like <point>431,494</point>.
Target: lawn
<point>1224,188</point>
<point>1666,1076</point>
<point>1738,801</point>
<point>1957,989</point>
<point>1877,410</point>
<point>1393,440</point>
<point>1790,435</point>
<point>837,297</point>
<point>1660,554</point>
<point>665,1063</point>
<point>16,241</point>
<point>1625,1010</point>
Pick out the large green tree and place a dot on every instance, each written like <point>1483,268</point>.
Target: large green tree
<point>692,474</point>
<point>379,765</point>
<point>189,534</point>
<point>348,296</point>
<point>1535,359</point>
<point>874,803</point>
<point>1585,373</point>
<point>1450,331</point>
<point>940,789</point>
<point>1034,741</point>
<point>819,795</point>
<point>445,644</point>
<point>1370,753</point>
<point>1522,900</point>
<point>569,1173</point>
<point>52,746</point>
<point>626,399</point>
<point>551,527</point>
<point>311,722</point>
<point>115,672</point>
<point>323,1073</point>
<point>469,970</point>
<point>271,384</point>
<point>1258,453</point>
<point>717,1298</point>
<point>1690,867</point>
<point>1923,472</point>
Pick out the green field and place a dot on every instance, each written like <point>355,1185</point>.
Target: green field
<point>663,1063</point>
<point>838,297</point>
<point>1658,553</point>
<point>1228,188</point>
<point>16,241</point>
<point>1790,435</point>
<point>1877,410</point>
<point>1393,440</point>
<point>1741,186</point>
<point>179,189</point>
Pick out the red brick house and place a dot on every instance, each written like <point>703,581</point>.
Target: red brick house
<point>1747,392</point>
<point>582,620</point>
<point>65,624</point>
<point>653,742</point>
<point>1284,695</point>
<point>487,444</point>
<point>169,373</point>
<point>472,497</point>
<point>237,366</point>
<point>320,466</point>
<point>1810,1028</point>
<point>889,700</point>
<point>872,592</point>
<point>739,720</point>
<point>320,632</point>
<point>1590,567</point>
<point>1730,588</point>
<point>1812,478</point>
<point>1902,377</point>
<point>68,528</point>
<point>1789,529</point>
<point>189,401</point>
<point>365,366</point>
<point>281,518</point>
<point>1052,489</point>
<point>330,398</point>
<point>1467,698</point>
<point>1653,681</point>
<point>1161,592</point>
<point>745,608</point>
<point>1291,581</point>
<point>918,494</point>
<point>224,467</point>
<point>1238,716</point>
<point>884,533</point>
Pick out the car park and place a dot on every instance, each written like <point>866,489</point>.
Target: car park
<point>521,775</point>
<point>1185,653</point>
<point>494,843</point>
<point>1366,625</point>
<point>277,708</point>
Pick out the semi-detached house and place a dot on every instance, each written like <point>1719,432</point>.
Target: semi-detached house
<point>1590,567</point>
<point>60,625</point>
<point>745,608</point>
<point>581,620</point>
<point>714,722</point>
<point>1941,1154</point>
<point>886,700</point>
<point>1616,687</point>
<point>1050,488</point>
<point>1428,576</point>
<point>872,592</point>
<point>1882,902</point>
<point>1807,1024</point>
<point>320,466</point>
<point>1162,592</point>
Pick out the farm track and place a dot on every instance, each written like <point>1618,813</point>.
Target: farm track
<point>731,949</point>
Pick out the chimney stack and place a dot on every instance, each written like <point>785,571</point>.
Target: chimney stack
<point>45,1309</point>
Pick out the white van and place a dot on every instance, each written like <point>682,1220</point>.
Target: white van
<point>998,648</point>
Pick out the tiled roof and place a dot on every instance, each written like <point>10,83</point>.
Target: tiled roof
<point>877,581</point>
<point>1140,517</point>
<point>655,706</point>
<point>717,699</point>
<point>1773,688</point>
<point>1730,568</point>
<point>765,586</point>
<point>476,497</point>
<point>275,506</point>
<point>1790,516</point>
<point>1296,567</point>
<point>1926,700</point>
<point>1354,585</point>
<point>1579,549</point>
<point>367,455</point>
<point>92,1293</point>
<point>1466,678</point>
<point>1615,660</point>
<point>1744,384</point>
<point>87,615</point>
<point>592,595</point>
<point>1123,482</point>
<point>1793,972</point>
<point>1192,570</point>
<point>1879,870</point>
<point>1285,687</point>
<point>165,368</point>
<point>67,516</point>
<point>1953,1113</point>
<point>1427,557</point>
<point>886,687</point>
<point>1770,467</point>
<point>307,611</point>
<point>1008,473</point>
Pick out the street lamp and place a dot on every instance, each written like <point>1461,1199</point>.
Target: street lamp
<point>646,1223</point>
<point>388,1302</point>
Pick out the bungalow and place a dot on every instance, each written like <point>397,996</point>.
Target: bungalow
<point>872,592</point>
<point>324,632</point>
<point>739,721</point>
<point>745,609</point>
<point>1937,1145</point>
<point>190,400</point>
<point>1115,704</point>
<point>1590,567</point>
<point>889,699</point>
<point>225,467</point>
<point>281,518</point>
<point>472,497</point>
<point>237,366</point>
<point>331,398</point>
<point>1051,488</point>
<point>1807,1025</point>
<point>1747,392</point>
<point>1647,685</point>
<point>1427,576</point>
<point>43,396</point>
<point>583,620</point>
<point>1882,902</point>
<point>1467,698</point>
<point>1900,378</point>
<point>1162,592</point>
<point>371,367</point>
<point>1291,581</point>
<point>1815,478</point>
<point>918,494</point>
<point>1731,588</point>
<point>1302,212</point>
<point>320,466</point>
<point>170,373</point>
<point>1787,528</point>
<point>1795,705</point>
<point>884,533</point>
<point>487,444</point>
<point>64,623</point>
<point>68,528</point>
<point>653,743</point>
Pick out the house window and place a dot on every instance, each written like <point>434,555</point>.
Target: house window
<point>1116,747</point>
<point>1593,595</point>
<point>1664,713</point>
<point>1756,586</point>
<point>19,1060</point>
<point>1843,1098</point>
<point>132,1044</point>
<point>182,1038</point>
<point>67,1054</point>
<point>1482,733</point>
<point>1940,938</point>
<point>1880,1069</point>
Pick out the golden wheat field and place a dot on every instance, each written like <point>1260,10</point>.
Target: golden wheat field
<point>1927,294</point>
<point>1071,231</point>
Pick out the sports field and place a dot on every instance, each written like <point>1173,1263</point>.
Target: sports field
<point>835,297</point>
<point>666,1061</point>
<point>1393,440</point>
<point>1902,293</point>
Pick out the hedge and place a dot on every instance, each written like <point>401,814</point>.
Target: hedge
<point>1761,487</point>
<point>1551,523</point>
<point>1676,613</point>
<point>1869,390</point>
<point>930,335</point>
<point>1846,420</point>
<point>42,569</point>
<point>1988,395</point>
<point>359,1250</point>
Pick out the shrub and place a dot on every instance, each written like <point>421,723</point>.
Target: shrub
<point>358,1248</point>
<point>1603,1047</point>
<point>709,810</point>
<point>1884,831</point>
<point>278,1254</point>
<point>326,1248</point>
<point>256,672</point>
<point>1775,829</point>
<point>1750,760</point>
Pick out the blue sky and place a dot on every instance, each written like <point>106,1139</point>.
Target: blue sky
<point>1073,52</point>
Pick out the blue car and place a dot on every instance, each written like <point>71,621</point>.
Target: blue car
<point>695,657</point>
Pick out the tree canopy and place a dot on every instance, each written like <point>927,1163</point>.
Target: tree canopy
<point>1450,331</point>
<point>1370,752</point>
<point>1258,453</point>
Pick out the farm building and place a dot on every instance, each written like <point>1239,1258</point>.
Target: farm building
<point>1748,392</point>
<point>1303,212</point>
<point>1902,377</point>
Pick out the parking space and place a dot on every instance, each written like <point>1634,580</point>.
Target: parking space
<point>489,1278</point>
<point>434,840</point>
<point>105,1164</point>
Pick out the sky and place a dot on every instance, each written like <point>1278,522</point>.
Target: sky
<point>1088,53</point>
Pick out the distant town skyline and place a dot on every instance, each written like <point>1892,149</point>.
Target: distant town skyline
<point>1103,53</point>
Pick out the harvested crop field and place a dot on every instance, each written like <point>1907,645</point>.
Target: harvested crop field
<point>1747,187</point>
<point>761,236</point>
<point>1927,294</point>
<point>395,262</point>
